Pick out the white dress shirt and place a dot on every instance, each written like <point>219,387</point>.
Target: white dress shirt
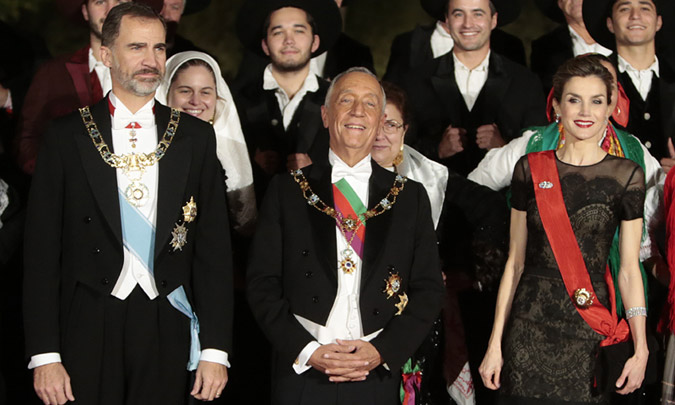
<point>344,320</point>
<point>471,81</point>
<point>441,41</point>
<point>133,271</point>
<point>287,105</point>
<point>642,79</point>
<point>496,171</point>
<point>317,64</point>
<point>580,47</point>
<point>102,71</point>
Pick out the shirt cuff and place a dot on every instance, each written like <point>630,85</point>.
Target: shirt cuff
<point>44,359</point>
<point>215,356</point>
<point>8,103</point>
<point>300,365</point>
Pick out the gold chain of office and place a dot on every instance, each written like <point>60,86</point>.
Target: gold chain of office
<point>349,224</point>
<point>130,162</point>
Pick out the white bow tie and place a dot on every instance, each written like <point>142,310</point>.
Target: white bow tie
<point>360,172</point>
<point>124,119</point>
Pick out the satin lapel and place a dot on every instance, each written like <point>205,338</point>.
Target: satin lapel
<point>494,90</point>
<point>173,174</point>
<point>102,178</point>
<point>376,228</point>
<point>446,88</point>
<point>323,226</point>
<point>79,73</point>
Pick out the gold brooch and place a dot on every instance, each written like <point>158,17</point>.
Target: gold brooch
<point>179,237</point>
<point>393,284</point>
<point>583,298</point>
<point>402,303</point>
<point>190,210</point>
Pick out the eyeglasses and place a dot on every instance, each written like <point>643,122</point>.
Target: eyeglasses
<point>391,126</point>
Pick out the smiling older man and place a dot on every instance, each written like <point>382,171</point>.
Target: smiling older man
<point>344,274</point>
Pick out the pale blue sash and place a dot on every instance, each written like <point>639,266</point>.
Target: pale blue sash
<point>138,234</point>
<point>179,300</point>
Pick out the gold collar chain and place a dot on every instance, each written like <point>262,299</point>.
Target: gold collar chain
<point>130,162</point>
<point>349,224</point>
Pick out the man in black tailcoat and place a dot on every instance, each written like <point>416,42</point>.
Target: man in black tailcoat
<point>414,48</point>
<point>344,293</point>
<point>280,110</point>
<point>127,282</point>
<point>472,99</point>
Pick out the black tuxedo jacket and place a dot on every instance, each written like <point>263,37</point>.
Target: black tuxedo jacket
<point>511,98</point>
<point>413,49</point>
<point>293,266</point>
<point>262,124</point>
<point>74,238</point>
<point>549,52</point>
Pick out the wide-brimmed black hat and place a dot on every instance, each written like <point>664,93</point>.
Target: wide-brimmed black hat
<point>551,10</point>
<point>193,6</point>
<point>253,14</point>
<point>508,10</point>
<point>72,9</point>
<point>595,19</point>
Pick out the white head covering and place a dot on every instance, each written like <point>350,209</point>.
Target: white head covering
<point>230,143</point>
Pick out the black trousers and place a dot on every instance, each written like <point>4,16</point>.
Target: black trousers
<point>131,352</point>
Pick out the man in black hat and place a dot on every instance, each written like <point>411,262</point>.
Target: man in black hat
<point>412,49</point>
<point>631,27</point>
<point>570,39</point>
<point>280,111</point>
<point>471,99</point>
<point>346,52</point>
<point>172,11</point>
<point>68,82</point>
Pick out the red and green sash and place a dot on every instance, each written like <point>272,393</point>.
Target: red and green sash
<point>556,222</point>
<point>348,204</point>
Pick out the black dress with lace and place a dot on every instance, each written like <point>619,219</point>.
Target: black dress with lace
<point>548,349</point>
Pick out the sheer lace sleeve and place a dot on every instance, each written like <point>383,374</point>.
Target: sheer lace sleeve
<point>632,203</point>
<point>521,185</point>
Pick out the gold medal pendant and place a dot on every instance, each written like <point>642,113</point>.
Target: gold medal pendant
<point>347,265</point>
<point>137,194</point>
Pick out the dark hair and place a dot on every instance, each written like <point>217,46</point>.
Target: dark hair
<point>190,63</point>
<point>446,8</point>
<point>111,26</point>
<point>310,20</point>
<point>610,7</point>
<point>582,66</point>
<point>396,96</point>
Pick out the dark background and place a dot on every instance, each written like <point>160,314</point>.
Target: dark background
<point>372,22</point>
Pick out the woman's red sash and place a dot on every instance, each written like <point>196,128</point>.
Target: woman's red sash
<point>556,222</point>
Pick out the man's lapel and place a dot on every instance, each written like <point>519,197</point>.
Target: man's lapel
<point>308,120</point>
<point>323,226</point>
<point>377,227</point>
<point>102,177</point>
<point>173,175</point>
<point>667,99</point>
<point>445,87</point>
<point>494,90</point>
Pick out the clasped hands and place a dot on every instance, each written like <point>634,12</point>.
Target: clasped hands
<point>346,360</point>
<point>454,140</point>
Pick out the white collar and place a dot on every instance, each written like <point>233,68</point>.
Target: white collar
<point>362,168</point>
<point>482,67</point>
<point>93,63</point>
<point>625,66</point>
<point>270,83</point>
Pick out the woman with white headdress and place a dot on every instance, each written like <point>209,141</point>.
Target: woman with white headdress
<point>193,84</point>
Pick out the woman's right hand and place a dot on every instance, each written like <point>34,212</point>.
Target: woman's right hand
<point>491,368</point>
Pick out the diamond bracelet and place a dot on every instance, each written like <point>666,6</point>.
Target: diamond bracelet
<point>636,311</point>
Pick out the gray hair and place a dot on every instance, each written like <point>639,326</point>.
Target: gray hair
<point>358,69</point>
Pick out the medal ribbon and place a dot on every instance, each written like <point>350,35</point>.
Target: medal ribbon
<point>556,222</point>
<point>349,205</point>
<point>138,234</point>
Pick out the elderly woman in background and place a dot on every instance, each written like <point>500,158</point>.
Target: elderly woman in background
<point>194,85</point>
<point>451,196</point>
<point>557,291</point>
